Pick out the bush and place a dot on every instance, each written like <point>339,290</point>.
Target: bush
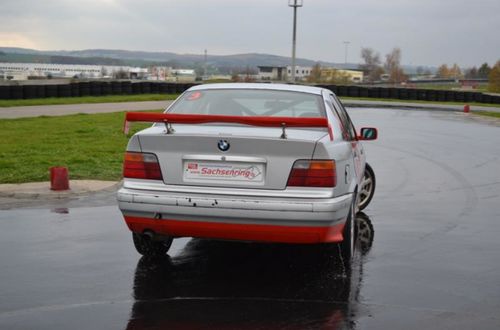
<point>494,79</point>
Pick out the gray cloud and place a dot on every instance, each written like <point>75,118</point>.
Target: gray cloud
<point>428,32</point>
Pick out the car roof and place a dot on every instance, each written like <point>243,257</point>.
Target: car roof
<point>263,86</point>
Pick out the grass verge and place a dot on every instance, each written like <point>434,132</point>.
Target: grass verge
<point>91,146</point>
<point>488,114</point>
<point>89,99</point>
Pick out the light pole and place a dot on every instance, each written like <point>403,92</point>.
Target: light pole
<point>205,66</point>
<point>294,4</point>
<point>346,43</point>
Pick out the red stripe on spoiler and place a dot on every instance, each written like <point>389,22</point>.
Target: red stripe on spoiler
<point>246,120</point>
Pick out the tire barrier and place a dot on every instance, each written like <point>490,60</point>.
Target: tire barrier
<point>394,93</point>
<point>171,88</point>
<point>63,90</point>
<point>84,88</point>
<point>441,95</point>
<point>412,94</point>
<point>29,91</point>
<point>478,97</point>
<point>341,90</point>
<point>106,88</point>
<point>450,96</point>
<point>163,88</point>
<point>51,91</point>
<point>16,92</point>
<point>97,88</point>
<point>403,94</point>
<point>332,88</point>
<point>421,95</point>
<point>353,91</point>
<point>384,93</point>
<point>126,87</point>
<point>136,88</point>
<point>374,92</point>
<point>40,91</point>
<point>487,98</point>
<point>180,88</point>
<point>363,92</point>
<point>116,87</point>
<point>145,87</point>
<point>155,88</point>
<point>5,92</point>
<point>460,96</point>
<point>495,99</point>
<point>75,90</point>
<point>431,95</point>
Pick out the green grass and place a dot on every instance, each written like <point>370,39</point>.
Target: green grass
<point>91,146</point>
<point>89,99</point>
<point>488,113</point>
<point>481,87</point>
<point>346,99</point>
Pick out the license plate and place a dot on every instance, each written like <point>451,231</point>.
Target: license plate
<point>227,171</point>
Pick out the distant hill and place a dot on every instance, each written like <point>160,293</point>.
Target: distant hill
<point>223,63</point>
<point>126,57</point>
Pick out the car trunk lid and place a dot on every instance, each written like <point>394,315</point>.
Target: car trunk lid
<point>236,156</point>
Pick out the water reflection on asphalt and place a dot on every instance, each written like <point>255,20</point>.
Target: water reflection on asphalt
<point>217,284</point>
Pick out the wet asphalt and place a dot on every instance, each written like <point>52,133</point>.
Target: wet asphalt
<point>428,257</point>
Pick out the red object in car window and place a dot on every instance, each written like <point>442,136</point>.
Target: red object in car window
<point>194,96</point>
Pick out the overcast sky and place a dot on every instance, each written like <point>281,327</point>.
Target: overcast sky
<point>429,32</point>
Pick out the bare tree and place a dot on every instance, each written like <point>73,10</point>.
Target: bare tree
<point>455,71</point>
<point>484,71</point>
<point>443,71</point>
<point>315,75</point>
<point>372,65</point>
<point>120,74</point>
<point>471,73</point>
<point>393,66</point>
<point>494,78</point>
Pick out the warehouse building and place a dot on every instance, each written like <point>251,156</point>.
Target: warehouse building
<point>23,71</point>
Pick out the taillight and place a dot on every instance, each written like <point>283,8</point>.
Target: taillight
<point>313,173</point>
<point>139,165</point>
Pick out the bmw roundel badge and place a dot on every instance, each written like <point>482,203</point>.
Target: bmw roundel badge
<point>223,145</point>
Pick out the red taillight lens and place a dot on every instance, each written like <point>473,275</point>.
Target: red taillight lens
<point>141,166</point>
<point>313,173</point>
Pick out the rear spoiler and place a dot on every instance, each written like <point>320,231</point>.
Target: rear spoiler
<point>170,118</point>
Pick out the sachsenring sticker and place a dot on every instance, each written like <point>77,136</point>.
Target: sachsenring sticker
<point>225,171</point>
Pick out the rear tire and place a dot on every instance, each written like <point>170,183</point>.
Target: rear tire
<point>148,247</point>
<point>347,246</point>
<point>367,188</point>
<point>364,238</point>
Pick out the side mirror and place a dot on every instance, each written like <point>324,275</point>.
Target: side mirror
<point>368,133</point>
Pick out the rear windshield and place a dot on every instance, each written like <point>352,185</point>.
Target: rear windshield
<point>245,102</point>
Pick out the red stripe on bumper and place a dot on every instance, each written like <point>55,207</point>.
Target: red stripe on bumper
<point>231,231</point>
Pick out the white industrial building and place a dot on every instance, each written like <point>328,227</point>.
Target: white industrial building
<point>301,72</point>
<point>283,72</point>
<point>21,71</point>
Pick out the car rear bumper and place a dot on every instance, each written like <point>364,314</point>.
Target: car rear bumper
<point>267,219</point>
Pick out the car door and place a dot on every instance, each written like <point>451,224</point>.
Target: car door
<point>349,134</point>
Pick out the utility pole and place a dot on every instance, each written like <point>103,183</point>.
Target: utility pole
<point>346,43</point>
<point>295,4</point>
<point>205,66</point>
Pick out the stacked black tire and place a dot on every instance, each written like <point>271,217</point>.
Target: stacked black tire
<point>412,94</point>
<point>118,87</point>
